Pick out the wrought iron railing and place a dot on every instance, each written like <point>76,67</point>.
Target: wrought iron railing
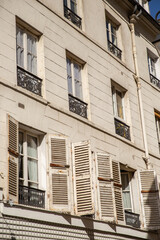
<point>29,81</point>
<point>73,17</point>
<point>132,219</point>
<point>77,106</point>
<point>155,80</point>
<point>31,196</point>
<point>122,129</point>
<point>114,49</point>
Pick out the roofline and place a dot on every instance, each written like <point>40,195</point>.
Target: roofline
<point>146,14</point>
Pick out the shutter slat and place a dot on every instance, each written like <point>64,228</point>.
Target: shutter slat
<point>13,159</point>
<point>105,188</point>
<point>82,178</point>
<point>13,135</point>
<point>118,191</point>
<point>59,178</point>
<point>58,151</point>
<point>150,199</point>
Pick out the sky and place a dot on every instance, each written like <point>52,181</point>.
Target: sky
<point>154,7</point>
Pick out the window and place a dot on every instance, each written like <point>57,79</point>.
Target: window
<point>70,12</point>
<point>131,217</point>
<point>111,30</point>
<point>74,79</point>
<point>28,160</point>
<point>126,191</point>
<point>27,60</point>
<point>118,97</point>
<point>153,67</point>
<point>157,119</point>
<point>23,165</point>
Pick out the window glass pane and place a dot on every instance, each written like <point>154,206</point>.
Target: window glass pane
<point>20,49</point>
<point>69,76</point>
<point>20,142</point>
<point>127,201</point>
<point>31,54</point>
<point>20,166</point>
<point>20,156</point>
<point>125,182</point>
<point>107,28</point>
<point>65,2</point>
<point>32,170</point>
<point>32,146</point>
<point>126,191</point>
<point>119,104</point>
<point>113,33</point>
<point>77,80</point>
<point>73,6</point>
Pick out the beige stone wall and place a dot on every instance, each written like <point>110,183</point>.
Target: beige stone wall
<point>50,113</point>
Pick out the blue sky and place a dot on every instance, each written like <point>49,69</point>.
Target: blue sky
<point>154,7</point>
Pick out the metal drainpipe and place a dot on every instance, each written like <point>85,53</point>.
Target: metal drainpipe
<point>133,20</point>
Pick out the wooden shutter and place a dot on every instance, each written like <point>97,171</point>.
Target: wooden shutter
<point>150,199</point>
<point>13,159</point>
<point>118,191</point>
<point>105,187</point>
<point>59,174</point>
<point>82,178</point>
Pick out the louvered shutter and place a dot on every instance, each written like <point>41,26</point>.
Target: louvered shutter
<point>150,199</point>
<point>82,178</point>
<point>59,174</point>
<point>105,187</point>
<point>118,191</point>
<point>13,158</point>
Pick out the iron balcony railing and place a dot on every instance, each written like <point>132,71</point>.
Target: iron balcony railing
<point>132,219</point>
<point>77,106</point>
<point>114,49</point>
<point>31,196</point>
<point>73,17</point>
<point>122,129</point>
<point>29,81</point>
<point>155,80</point>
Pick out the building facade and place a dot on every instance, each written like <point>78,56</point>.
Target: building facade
<point>79,120</point>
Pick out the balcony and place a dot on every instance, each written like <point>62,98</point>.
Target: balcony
<point>114,49</point>
<point>73,17</point>
<point>29,81</point>
<point>132,219</point>
<point>31,196</point>
<point>155,80</point>
<point>77,106</point>
<point>122,129</point>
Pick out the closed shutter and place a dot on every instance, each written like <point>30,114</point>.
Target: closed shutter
<point>105,187</point>
<point>150,199</point>
<point>118,191</point>
<point>59,174</point>
<point>82,178</point>
<point>13,159</point>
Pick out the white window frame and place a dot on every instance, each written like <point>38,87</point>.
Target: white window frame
<point>152,65</point>
<point>71,75</point>
<point>25,34</point>
<point>130,189</point>
<point>116,89</point>
<point>111,31</point>
<point>25,159</point>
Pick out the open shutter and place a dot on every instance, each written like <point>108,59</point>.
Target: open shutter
<point>13,158</point>
<point>82,178</point>
<point>105,187</point>
<point>118,191</point>
<point>59,174</point>
<point>150,199</point>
